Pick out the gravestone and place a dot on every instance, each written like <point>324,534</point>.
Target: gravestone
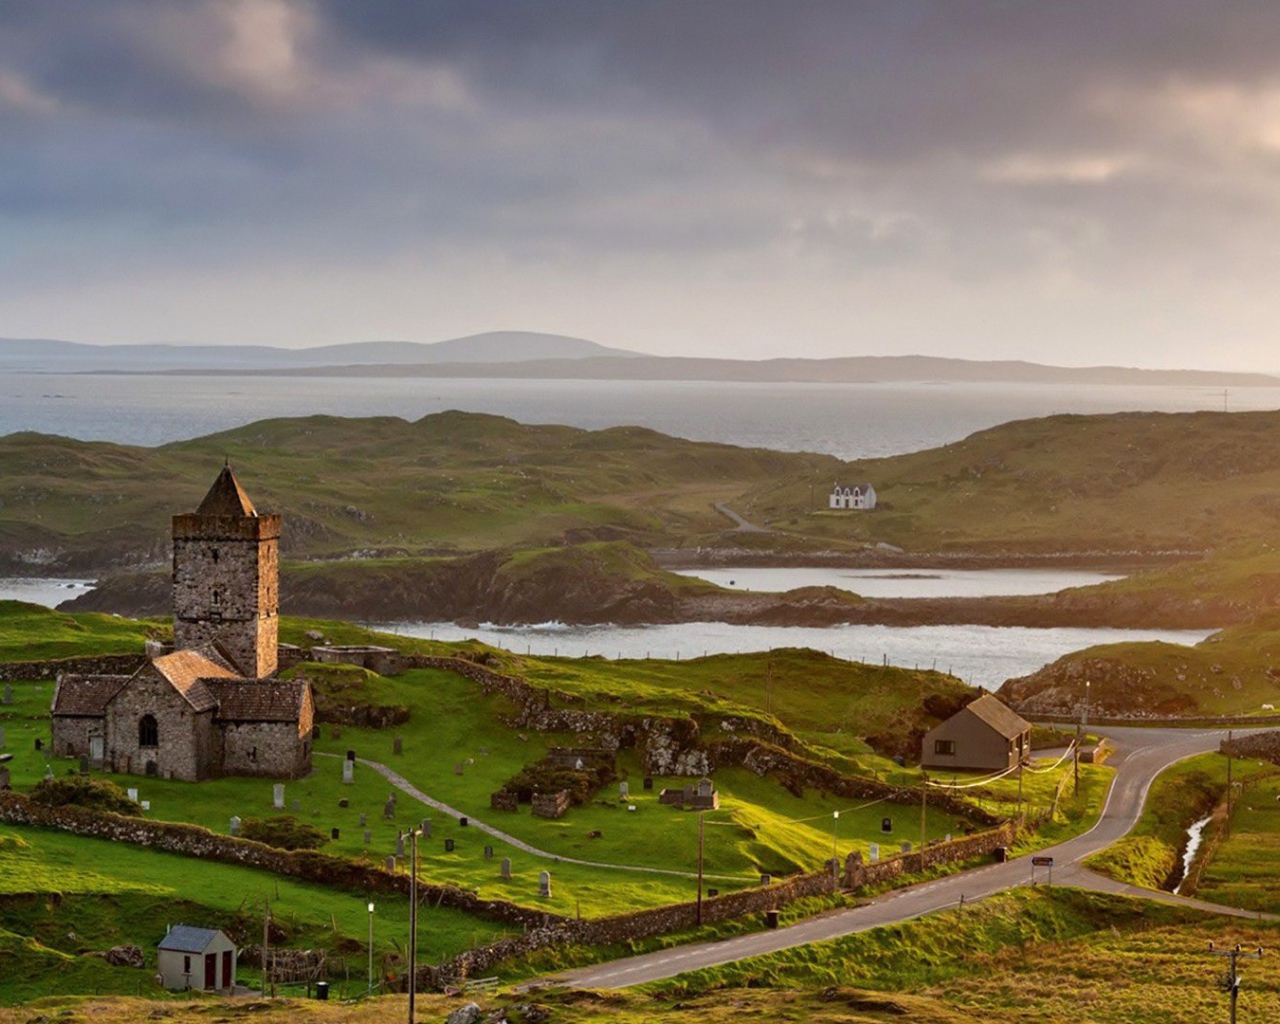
<point>364,820</point>
<point>947,838</point>
<point>145,805</point>
<point>488,853</point>
<point>344,803</point>
<point>277,796</point>
<point>448,846</point>
<point>886,824</point>
<point>389,810</point>
<point>39,743</point>
<point>295,805</point>
<point>462,822</point>
<point>133,795</point>
<point>712,893</point>
<point>84,758</point>
<point>368,837</point>
<point>315,732</point>
<point>8,694</point>
<point>624,791</point>
<point>425,825</point>
<point>906,846</point>
<point>874,853</point>
<point>505,869</point>
<point>544,884</point>
<point>48,771</point>
<point>335,733</point>
<point>457,768</point>
<point>765,878</point>
<point>391,864</point>
<point>648,783</point>
<point>400,845</point>
<point>351,755</point>
<point>235,826</point>
<point>348,772</point>
<point>334,833</point>
<point>397,745</point>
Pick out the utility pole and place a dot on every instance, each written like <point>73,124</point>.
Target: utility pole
<point>266,938</point>
<point>1231,983</point>
<point>371,948</point>
<point>835,856</point>
<point>413,919</point>
<point>702,830</point>
<point>924,803</point>
<point>1226,829</point>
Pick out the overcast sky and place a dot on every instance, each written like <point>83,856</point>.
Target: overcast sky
<point>1073,183</point>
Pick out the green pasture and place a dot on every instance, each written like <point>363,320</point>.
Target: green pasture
<point>62,895</point>
<point>30,632</point>
<point>1243,865</point>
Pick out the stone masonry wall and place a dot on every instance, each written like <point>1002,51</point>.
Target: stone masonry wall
<point>225,586</point>
<point>185,749</point>
<point>104,665</point>
<point>323,869</point>
<point>1265,745</point>
<point>264,748</point>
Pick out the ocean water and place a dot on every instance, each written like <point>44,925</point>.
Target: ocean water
<point>904,582</point>
<point>847,420</point>
<point>981,655</point>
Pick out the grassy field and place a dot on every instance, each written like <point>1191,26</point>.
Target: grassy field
<point>63,895</point>
<point>1243,863</point>
<point>29,632</point>
<point>1180,795</point>
<point>1049,956</point>
<point>465,482</point>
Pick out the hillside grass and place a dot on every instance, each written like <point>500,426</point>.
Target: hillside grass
<point>31,632</point>
<point>62,895</point>
<point>1243,863</point>
<point>454,482</point>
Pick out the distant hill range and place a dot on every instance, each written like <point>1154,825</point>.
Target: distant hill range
<point>534,356</point>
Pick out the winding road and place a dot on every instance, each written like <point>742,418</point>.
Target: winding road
<point>1141,754</point>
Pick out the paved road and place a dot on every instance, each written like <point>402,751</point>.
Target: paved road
<point>740,524</point>
<point>1141,754</point>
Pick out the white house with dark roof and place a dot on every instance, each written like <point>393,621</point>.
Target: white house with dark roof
<point>214,706</point>
<point>203,959</point>
<point>849,496</point>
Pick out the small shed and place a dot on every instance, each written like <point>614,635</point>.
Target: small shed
<point>984,735</point>
<point>203,959</point>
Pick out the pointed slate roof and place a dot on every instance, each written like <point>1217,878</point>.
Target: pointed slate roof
<point>1006,722</point>
<point>226,498</point>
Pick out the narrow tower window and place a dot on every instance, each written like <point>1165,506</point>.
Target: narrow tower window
<point>215,554</point>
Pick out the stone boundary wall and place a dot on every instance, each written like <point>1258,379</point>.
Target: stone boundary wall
<point>195,841</point>
<point>643,924</point>
<point>1265,745</point>
<point>1184,722</point>
<point>102,665</point>
<point>859,873</point>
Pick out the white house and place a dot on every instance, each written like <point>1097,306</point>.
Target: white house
<point>852,496</point>
<point>197,958</point>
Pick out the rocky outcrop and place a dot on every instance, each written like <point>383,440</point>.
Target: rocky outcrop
<point>1117,689</point>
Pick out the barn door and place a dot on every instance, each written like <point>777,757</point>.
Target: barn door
<point>226,969</point>
<point>211,970</point>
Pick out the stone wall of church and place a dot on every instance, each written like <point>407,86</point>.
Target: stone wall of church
<point>272,749</point>
<point>226,574</point>
<point>186,739</point>
<point>71,735</point>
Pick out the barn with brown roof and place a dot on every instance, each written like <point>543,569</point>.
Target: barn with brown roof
<point>214,706</point>
<point>984,735</point>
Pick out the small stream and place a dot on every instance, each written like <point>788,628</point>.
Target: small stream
<point>1195,834</point>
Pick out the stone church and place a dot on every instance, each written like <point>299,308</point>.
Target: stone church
<point>213,705</point>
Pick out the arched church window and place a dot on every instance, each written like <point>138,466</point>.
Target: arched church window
<point>148,731</point>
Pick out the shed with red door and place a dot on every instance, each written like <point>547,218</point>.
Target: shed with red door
<point>203,959</point>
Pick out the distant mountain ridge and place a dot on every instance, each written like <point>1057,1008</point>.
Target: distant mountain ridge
<point>37,355</point>
<point>529,355</point>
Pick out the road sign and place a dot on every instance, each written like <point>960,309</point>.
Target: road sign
<point>1042,862</point>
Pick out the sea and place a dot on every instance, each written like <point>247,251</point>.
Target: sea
<point>850,421</point>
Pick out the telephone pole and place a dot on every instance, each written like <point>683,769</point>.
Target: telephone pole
<point>1226,827</point>
<point>413,920</point>
<point>702,831</point>
<point>1231,982</point>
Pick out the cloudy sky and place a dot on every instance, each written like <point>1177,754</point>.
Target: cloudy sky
<point>1075,183</point>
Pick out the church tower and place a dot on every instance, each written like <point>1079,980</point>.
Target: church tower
<point>226,570</point>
